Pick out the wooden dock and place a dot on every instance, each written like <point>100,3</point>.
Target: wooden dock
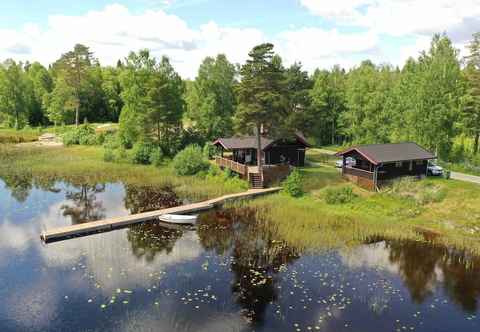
<point>120,222</point>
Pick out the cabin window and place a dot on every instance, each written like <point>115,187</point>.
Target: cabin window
<point>398,164</point>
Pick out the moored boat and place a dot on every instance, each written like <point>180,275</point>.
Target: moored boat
<point>179,219</point>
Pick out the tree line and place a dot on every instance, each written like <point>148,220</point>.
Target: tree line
<point>434,99</point>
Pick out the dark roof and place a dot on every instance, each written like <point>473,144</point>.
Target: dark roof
<point>250,142</point>
<point>247,142</point>
<point>384,153</point>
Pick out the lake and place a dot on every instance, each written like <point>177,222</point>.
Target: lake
<point>230,273</point>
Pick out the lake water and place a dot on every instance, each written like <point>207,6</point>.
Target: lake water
<point>228,274</point>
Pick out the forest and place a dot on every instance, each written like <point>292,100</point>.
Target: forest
<point>434,99</point>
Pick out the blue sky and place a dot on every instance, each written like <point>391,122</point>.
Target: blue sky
<point>319,33</point>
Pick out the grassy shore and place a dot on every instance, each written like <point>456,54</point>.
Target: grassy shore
<point>446,211</point>
<point>84,164</point>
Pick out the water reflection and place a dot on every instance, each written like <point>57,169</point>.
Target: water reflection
<point>231,273</point>
<point>256,257</point>
<point>85,207</point>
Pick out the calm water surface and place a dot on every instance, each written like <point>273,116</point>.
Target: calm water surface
<point>228,274</point>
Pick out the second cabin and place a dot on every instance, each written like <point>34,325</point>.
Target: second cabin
<point>372,165</point>
<point>239,154</point>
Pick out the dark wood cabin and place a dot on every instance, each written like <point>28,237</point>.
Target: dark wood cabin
<point>377,164</point>
<point>279,155</point>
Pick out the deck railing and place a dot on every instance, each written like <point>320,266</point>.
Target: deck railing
<point>358,172</point>
<point>233,165</point>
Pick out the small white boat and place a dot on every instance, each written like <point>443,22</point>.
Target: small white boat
<point>178,219</point>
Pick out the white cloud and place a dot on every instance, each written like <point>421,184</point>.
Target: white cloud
<point>400,17</point>
<point>115,31</point>
<point>324,48</point>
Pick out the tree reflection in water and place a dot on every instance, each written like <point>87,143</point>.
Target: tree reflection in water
<point>257,256</point>
<point>149,239</point>
<point>85,206</point>
<point>140,199</point>
<point>423,265</point>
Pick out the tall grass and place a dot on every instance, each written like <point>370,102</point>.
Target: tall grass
<point>85,164</point>
<point>310,222</point>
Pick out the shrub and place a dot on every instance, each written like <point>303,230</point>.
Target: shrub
<point>156,157</point>
<point>293,184</point>
<point>83,135</point>
<point>209,151</point>
<point>141,153</point>
<point>109,155</point>
<point>70,138</point>
<point>340,195</point>
<point>190,161</point>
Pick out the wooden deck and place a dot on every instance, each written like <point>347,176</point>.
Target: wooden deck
<point>233,165</point>
<point>64,233</point>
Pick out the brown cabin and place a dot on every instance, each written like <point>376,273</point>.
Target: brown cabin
<point>377,164</point>
<point>278,156</point>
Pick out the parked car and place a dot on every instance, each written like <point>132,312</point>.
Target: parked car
<point>349,161</point>
<point>434,169</point>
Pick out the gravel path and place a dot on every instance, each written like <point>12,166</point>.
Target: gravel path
<point>465,177</point>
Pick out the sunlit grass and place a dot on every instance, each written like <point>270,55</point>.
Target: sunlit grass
<point>403,213</point>
<point>85,164</point>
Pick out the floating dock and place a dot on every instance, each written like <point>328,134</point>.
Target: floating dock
<point>106,225</point>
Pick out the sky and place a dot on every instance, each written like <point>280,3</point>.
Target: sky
<point>317,33</point>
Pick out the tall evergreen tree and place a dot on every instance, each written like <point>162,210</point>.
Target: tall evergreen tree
<point>471,112</point>
<point>74,68</point>
<point>260,94</point>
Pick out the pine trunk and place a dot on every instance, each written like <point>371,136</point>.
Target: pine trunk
<point>259,150</point>
<point>76,116</point>
<point>476,142</point>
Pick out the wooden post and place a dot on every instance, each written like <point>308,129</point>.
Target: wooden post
<point>375,176</point>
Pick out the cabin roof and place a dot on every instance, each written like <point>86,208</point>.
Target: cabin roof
<point>250,142</point>
<point>384,153</point>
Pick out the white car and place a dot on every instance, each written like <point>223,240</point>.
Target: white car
<point>349,161</point>
<point>434,170</point>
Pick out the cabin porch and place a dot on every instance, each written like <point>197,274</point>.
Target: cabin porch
<point>271,173</point>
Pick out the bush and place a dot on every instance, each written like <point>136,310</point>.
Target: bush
<point>83,135</point>
<point>156,157</point>
<point>70,138</point>
<point>293,184</point>
<point>141,152</point>
<point>190,161</point>
<point>209,151</point>
<point>340,195</point>
<point>109,155</point>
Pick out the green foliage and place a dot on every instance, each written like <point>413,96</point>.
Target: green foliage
<point>339,195</point>
<point>109,155</point>
<point>82,135</point>
<point>210,151</point>
<point>14,93</point>
<point>156,157</point>
<point>153,100</point>
<point>211,98</point>
<point>293,184</point>
<point>141,152</point>
<point>190,161</point>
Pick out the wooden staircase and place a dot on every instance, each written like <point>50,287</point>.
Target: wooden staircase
<point>255,180</point>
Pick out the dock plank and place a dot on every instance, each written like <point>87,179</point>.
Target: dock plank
<point>119,222</point>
